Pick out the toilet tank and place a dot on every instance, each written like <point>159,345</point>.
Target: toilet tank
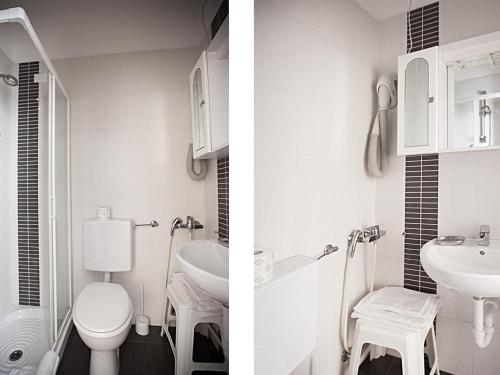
<point>285,316</point>
<point>107,245</point>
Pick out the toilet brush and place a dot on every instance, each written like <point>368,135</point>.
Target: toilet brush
<point>142,321</point>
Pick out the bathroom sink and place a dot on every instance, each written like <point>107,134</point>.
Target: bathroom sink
<point>468,268</point>
<point>206,262</point>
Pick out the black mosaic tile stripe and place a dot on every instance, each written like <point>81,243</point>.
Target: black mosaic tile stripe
<point>27,186</point>
<point>223,197</point>
<point>421,175</point>
<point>424,27</point>
<point>421,217</point>
<point>219,18</point>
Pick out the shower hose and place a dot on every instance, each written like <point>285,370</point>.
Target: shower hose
<point>345,293</point>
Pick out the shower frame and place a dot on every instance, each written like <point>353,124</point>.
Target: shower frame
<point>57,337</point>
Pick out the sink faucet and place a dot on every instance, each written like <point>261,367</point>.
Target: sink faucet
<point>484,235</point>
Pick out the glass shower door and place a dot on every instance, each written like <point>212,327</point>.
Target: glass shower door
<point>60,207</point>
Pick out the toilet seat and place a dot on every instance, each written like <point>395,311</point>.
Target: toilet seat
<point>102,309</point>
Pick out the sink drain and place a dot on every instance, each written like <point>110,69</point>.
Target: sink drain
<point>15,355</point>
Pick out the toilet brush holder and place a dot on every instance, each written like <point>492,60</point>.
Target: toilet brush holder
<point>142,325</point>
<point>142,321</point>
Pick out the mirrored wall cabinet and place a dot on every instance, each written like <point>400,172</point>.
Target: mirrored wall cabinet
<point>418,102</point>
<point>449,97</point>
<point>209,87</point>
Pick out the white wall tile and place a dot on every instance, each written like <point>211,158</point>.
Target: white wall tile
<point>453,358</point>
<point>487,361</point>
<point>309,142</point>
<point>88,185</point>
<point>130,142</point>
<point>117,146</point>
<point>88,148</point>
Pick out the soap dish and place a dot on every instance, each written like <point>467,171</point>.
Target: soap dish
<point>450,240</point>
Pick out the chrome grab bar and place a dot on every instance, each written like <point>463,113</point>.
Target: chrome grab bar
<point>152,224</point>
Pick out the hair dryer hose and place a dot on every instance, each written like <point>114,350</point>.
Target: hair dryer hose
<point>377,147</point>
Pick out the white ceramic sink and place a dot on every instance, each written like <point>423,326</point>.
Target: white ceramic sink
<point>206,262</point>
<point>467,268</point>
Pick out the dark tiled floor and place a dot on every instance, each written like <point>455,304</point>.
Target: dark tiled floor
<point>387,365</point>
<point>144,355</point>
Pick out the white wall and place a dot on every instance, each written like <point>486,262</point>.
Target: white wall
<point>8,178</point>
<point>390,190</point>
<point>314,82</point>
<point>461,210</point>
<point>130,122</point>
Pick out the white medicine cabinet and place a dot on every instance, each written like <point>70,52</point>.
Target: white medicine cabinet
<point>418,102</point>
<point>209,88</point>
<point>449,97</point>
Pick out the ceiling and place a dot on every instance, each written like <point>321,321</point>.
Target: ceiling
<point>383,9</point>
<point>72,28</point>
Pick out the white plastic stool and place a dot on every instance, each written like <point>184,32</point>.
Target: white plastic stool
<point>185,320</point>
<point>409,342</point>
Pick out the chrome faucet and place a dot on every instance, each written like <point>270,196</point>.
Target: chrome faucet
<point>484,235</point>
<point>176,223</point>
<point>190,224</point>
<point>368,234</point>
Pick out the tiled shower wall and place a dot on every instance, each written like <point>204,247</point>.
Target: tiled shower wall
<point>421,171</point>
<point>27,182</point>
<point>223,197</point>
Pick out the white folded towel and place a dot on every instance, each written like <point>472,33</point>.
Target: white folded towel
<point>48,364</point>
<point>401,300</point>
<point>194,296</point>
<point>403,307</point>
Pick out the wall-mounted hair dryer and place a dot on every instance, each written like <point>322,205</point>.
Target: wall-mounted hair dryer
<point>377,157</point>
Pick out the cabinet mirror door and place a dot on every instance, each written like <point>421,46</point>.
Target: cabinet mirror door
<point>416,132</point>
<point>474,103</point>
<point>198,111</point>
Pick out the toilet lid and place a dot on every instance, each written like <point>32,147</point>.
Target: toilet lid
<point>102,307</point>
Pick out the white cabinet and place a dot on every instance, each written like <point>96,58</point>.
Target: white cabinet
<point>449,97</point>
<point>418,100</point>
<point>209,87</point>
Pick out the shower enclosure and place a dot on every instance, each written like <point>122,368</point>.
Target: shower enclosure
<point>35,227</point>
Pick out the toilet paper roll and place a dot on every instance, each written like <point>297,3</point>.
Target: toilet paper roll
<point>103,213</point>
<point>263,266</point>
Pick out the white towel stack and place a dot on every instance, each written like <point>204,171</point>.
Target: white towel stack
<point>196,298</point>
<point>400,306</point>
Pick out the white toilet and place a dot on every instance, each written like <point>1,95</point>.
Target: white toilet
<point>103,311</point>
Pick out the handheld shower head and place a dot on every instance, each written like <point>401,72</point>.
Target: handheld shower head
<point>9,80</point>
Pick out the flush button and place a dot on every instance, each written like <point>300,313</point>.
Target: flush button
<point>482,252</point>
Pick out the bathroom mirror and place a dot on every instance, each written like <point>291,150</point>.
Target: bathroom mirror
<point>198,110</point>
<point>416,103</point>
<point>474,102</point>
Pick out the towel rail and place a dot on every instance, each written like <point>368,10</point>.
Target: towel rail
<point>329,249</point>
